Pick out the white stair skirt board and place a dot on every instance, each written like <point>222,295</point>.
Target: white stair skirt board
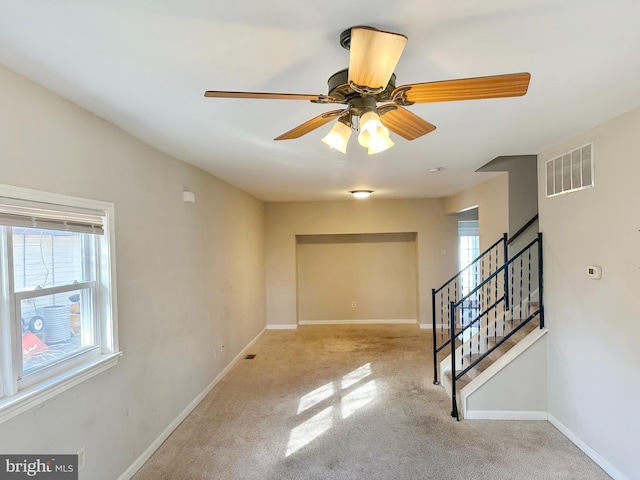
<point>146,455</point>
<point>513,386</point>
<point>282,327</point>
<point>590,452</point>
<point>360,322</point>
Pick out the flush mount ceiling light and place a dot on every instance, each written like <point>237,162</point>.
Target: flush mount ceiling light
<point>369,81</point>
<point>361,193</point>
<point>435,169</point>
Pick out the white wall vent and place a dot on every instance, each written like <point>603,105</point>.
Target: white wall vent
<point>570,171</point>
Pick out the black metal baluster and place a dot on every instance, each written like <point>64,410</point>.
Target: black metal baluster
<point>513,274</point>
<point>504,314</point>
<point>505,255</point>
<point>469,332</point>
<point>455,290</point>
<point>454,404</point>
<point>496,297</point>
<point>434,336</point>
<point>521,275</point>
<point>452,332</point>
<point>541,305</point>
<point>461,337</point>
<point>489,296</point>
<point>528,285</point>
<point>442,317</point>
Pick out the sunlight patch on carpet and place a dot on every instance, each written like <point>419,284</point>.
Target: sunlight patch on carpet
<point>357,399</point>
<point>355,376</point>
<point>349,393</point>
<point>313,398</point>
<point>308,431</point>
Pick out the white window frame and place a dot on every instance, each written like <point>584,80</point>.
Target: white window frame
<point>18,396</point>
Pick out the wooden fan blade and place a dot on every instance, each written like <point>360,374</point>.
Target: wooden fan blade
<point>404,123</point>
<point>268,96</point>
<point>310,125</point>
<point>496,86</point>
<point>373,57</point>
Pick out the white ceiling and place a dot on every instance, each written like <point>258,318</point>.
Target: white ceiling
<point>144,66</point>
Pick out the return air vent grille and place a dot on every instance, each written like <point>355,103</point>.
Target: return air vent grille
<point>570,171</point>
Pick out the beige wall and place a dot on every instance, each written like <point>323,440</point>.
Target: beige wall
<point>189,276</point>
<point>377,272</point>
<point>594,325</point>
<point>492,200</point>
<point>435,232</point>
<point>523,187</point>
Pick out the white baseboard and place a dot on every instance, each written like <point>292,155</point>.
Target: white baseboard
<point>429,326</point>
<point>360,322</point>
<point>505,415</point>
<point>146,455</point>
<point>590,452</point>
<point>282,327</point>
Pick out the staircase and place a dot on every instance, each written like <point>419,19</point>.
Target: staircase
<point>489,347</point>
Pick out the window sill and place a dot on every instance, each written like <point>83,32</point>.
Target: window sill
<point>54,386</point>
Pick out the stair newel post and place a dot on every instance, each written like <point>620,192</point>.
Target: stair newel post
<point>433,331</point>
<point>454,409</point>
<point>506,272</point>
<point>540,289</point>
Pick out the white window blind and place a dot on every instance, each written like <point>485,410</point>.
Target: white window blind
<point>21,213</point>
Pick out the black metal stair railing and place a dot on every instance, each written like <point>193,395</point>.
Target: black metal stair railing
<point>459,286</point>
<point>517,284</point>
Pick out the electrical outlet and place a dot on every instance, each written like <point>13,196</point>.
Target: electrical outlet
<point>353,303</point>
<point>81,458</point>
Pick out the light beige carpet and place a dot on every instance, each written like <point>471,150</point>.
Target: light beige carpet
<point>352,402</point>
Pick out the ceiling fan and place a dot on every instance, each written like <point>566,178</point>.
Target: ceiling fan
<point>370,80</point>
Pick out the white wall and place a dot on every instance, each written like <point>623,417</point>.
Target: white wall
<point>435,232</point>
<point>523,187</point>
<point>492,199</point>
<point>517,388</point>
<point>189,276</point>
<point>594,325</point>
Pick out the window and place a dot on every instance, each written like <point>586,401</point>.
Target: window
<point>57,316</point>
<point>468,251</point>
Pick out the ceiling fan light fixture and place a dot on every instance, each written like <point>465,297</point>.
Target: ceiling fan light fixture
<point>370,126</point>
<point>338,136</point>
<point>361,193</point>
<point>379,144</point>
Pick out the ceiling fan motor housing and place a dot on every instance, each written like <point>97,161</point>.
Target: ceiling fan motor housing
<point>340,89</point>
<point>345,39</point>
